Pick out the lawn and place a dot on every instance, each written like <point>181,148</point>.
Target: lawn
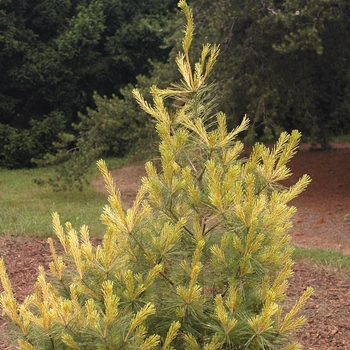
<point>26,207</point>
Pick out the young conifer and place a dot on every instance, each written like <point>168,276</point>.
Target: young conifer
<point>200,261</point>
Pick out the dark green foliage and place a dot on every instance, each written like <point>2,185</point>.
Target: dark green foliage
<point>54,54</point>
<point>116,126</point>
<point>284,63</point>
<point>20,147</point>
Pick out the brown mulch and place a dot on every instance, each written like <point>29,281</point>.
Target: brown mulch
<point>323,220</point>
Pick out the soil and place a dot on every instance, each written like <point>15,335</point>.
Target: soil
<point>322,221</point>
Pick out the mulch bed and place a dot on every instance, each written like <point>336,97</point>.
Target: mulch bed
<point>327,311</point>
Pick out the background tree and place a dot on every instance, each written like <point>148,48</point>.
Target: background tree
<point>54,54</point>
<point>115,126</point>
<point>285,63</point>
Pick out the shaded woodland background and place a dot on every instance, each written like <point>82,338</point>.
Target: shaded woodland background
<point>68,68</point>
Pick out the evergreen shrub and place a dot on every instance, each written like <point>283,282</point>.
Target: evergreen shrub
<point>19,148</point>
<point>115,127</point>
<point>202,258</point>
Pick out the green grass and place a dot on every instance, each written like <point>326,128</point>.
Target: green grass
<point>341,138</point>
<point>326,257</point>
<point>26,208</point>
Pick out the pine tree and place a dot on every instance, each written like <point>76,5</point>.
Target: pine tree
<point>200,261</point>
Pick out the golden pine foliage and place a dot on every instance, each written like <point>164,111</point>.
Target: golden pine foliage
<point>202,258</point>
